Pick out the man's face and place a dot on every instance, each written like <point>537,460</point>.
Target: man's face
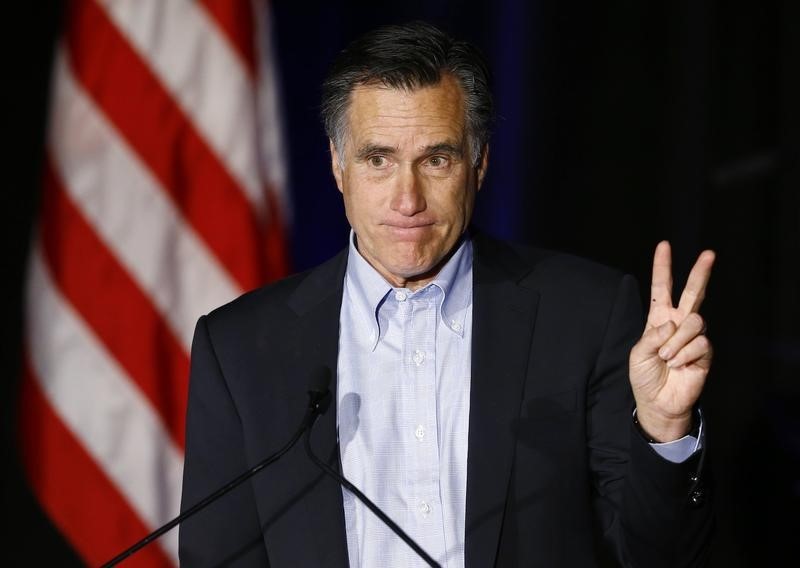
<point>407,178</point>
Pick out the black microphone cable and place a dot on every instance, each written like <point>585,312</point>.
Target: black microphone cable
<point>318,401</point>
<point>364,499</point>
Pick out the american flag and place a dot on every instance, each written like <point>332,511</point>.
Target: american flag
<point>163,197</point>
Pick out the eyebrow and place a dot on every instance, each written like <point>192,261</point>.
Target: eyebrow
<point>445,148</point>
<point>442,148</point>
<point>369,149</point>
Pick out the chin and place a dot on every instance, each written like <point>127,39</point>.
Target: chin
<point>409,270</point>
<point>412,270</point>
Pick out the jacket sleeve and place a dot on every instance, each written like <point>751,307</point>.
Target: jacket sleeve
<point>643,501</point>
<point>227,532</point>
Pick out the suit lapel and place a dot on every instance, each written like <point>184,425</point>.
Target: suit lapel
<point>503,320</point>
<point>317,302</point>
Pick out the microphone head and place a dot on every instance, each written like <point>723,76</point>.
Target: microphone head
<point>319,393</point>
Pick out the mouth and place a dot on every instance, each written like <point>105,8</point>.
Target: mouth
<point>407,231</point>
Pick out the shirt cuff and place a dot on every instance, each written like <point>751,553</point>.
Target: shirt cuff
<point>680,450</point>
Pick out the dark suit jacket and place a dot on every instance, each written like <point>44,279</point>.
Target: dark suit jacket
<point>557,474</point>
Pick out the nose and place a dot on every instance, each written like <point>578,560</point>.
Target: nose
<point>408,198</point>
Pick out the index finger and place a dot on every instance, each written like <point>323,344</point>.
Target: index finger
<point>695,290</point>
<point>661,285</point>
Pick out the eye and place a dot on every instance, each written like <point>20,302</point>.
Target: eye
<point>377,161</point>
<point>438,161</point>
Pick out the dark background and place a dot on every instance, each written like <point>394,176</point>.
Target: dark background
<point>621,123</point>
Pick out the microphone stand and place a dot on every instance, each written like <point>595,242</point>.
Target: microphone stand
<point>372,507</point>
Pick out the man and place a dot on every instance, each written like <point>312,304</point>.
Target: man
<point>499,403</point>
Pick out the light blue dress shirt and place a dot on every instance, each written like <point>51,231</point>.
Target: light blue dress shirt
<point>403,389</point>
<point>403,411</point>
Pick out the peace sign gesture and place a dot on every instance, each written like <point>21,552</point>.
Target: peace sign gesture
<point>668,366</point>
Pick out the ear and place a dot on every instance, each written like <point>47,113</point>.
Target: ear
<point>483,165</point>
<point>336,165</point>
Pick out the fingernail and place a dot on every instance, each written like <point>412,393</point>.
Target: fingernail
<point>664,353</point>
<point>672,363</point>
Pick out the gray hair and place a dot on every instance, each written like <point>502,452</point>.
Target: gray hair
<point>409,56</point>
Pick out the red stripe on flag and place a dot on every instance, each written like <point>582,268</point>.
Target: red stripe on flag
<point>235,20</point>
<point>145,114</point>
<point>113,305</point>
<point>68,484</point>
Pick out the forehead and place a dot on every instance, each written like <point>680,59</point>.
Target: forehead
<point>436,110</point>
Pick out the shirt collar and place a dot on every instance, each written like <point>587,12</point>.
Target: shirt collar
<point>368,289</point>
<point>455,281</point>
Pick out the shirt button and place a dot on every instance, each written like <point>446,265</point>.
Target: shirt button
<point>419,357</point>
<point>455,326</point>
<point>419,432</point>
<point>424,508</point>
<point>400,296</point>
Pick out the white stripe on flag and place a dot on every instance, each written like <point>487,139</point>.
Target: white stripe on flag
<point>273,152</point>
<point>101,405</point>
<point>128,208</point>
<point>176,38</point>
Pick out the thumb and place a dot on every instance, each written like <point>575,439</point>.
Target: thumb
<point>652,340</point>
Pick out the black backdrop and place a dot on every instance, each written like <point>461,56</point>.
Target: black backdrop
<point>621,123</point>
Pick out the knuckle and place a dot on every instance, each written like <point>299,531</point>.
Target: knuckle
<point>695,320</point>
<point>648,339</point>
<point>703,343</point>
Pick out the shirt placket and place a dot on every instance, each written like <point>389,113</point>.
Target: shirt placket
<point>419,362</point>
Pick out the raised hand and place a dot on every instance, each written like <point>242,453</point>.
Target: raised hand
<point>670,363</point>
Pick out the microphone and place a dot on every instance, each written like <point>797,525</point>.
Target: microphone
<point>364,499</point>
<point>319,399</point>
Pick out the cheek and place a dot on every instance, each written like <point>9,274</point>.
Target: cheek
<point>360,207</point>
<point>469,205</point>
<point>468,199</point>
<point>456,206</point>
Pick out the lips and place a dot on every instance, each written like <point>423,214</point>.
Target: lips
<point>408,224</point>
<point>407,231</point>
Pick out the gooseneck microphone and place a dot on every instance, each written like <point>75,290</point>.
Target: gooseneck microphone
<point>319,398</point>
<point>364,499</point>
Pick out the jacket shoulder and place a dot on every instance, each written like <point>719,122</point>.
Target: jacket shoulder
<point>287,297</point>
<point>545,269</point>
